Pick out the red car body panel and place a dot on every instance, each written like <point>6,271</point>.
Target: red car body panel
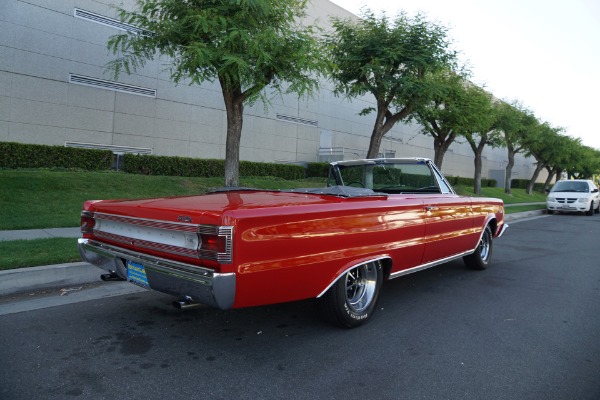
<point>292,246</point>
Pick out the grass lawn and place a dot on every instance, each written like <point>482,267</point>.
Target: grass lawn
<point>31,253</point>
<point>32,199</point>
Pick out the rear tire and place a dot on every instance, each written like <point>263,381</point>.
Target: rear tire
<point>482,255</point>
<point>352,299</point>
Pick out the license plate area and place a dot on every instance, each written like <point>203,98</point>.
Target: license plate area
<point>136,274</point>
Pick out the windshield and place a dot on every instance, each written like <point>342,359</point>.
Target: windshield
<point>387,177</point>
<point>571,186</point>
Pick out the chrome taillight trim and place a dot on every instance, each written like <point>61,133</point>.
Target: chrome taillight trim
<point>175,226</point>
<point>148,244</point>
<point>224,257</point>
<point>86,214</point>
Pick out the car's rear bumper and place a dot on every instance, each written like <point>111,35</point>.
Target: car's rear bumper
<point>188,281</point>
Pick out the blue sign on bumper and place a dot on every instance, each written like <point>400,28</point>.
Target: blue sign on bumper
<point>136,273</point>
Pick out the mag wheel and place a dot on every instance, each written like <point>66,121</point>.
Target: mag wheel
<point>482,255</point>
<point>352,299</point>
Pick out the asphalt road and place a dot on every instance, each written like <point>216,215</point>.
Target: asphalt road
<point>526,328</point>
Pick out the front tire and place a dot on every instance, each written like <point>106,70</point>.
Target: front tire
<point>590,212</point>
<point>482,255</point>
<point>352,299</point>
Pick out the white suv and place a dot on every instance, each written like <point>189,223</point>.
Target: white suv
<point>578,195</point>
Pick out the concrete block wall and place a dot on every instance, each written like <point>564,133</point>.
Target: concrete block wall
<point>43,43</point>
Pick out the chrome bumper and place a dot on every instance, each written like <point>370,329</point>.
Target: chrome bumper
<point>199,284</point>
<point>503,229</point>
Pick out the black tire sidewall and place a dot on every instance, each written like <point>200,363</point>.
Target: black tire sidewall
<point>341,312</point>
<point>475,261</point>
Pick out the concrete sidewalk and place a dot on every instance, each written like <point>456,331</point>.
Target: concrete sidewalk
<point>28,234</point>
<point>23,280</point>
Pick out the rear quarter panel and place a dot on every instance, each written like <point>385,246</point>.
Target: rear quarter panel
<point>296,252</point>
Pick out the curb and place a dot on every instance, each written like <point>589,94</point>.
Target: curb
<point>23,280</point>
<point>523,215</point>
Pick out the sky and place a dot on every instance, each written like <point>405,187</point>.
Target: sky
<point>543,53</point>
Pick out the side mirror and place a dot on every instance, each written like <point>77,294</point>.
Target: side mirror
<point>595,190</point>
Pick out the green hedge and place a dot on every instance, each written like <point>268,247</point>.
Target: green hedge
<point>184,166</point>
<point>19,155</point>
<point>317,170</point>
<point>457,180</point>
<point>522,184</point>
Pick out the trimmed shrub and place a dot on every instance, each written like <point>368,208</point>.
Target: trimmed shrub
<point>206,168</point>
<point>317,170</point>
<point>20,155</point>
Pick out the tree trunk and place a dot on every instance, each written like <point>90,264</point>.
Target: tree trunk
<point>477,161</point>
<point>509,167</point>
<point>548,179</point>
<point>377,134</point>
<point>384,122</point>
<point>234,107</point>
<point>440,147</point>
<point>539,167</point>
<point>478,166</point>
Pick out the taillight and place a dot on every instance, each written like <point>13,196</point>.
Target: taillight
<point>212,243</point>
<point>216,243</point>
<point>87,222</point>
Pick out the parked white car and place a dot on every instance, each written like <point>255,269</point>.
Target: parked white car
<point>577,195</point>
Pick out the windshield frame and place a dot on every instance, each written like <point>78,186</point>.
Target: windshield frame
<point>402,175</point>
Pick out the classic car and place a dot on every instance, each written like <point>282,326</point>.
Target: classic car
<point>377,219</point>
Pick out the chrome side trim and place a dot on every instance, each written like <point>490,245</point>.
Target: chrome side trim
<point>431,264</point>
<point>202,285</point>
<point>349,268</point>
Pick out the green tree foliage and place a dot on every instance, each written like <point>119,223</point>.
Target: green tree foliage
<point>245,45</point>
<point>458,109</point>
<point>390,59</point>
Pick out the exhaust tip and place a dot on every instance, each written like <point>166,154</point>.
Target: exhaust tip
<point>111,277</point>
<point>185,303</point>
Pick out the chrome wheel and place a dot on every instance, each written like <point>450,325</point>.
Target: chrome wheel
<point>361,283</point>
<point>352,299</point>
<point>484,247</point>
<point>482,255</point>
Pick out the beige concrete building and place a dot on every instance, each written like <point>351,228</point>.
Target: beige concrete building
<point>55,90</point>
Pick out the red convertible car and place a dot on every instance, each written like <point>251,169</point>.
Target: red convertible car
<point>376,220</point>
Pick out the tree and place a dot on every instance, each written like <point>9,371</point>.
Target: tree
<point>484,130</point>
<point>246,45</point>
<point>516,123</point>
<point>543,144</point>
<point>458,109</point>
<point>389,59</point>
